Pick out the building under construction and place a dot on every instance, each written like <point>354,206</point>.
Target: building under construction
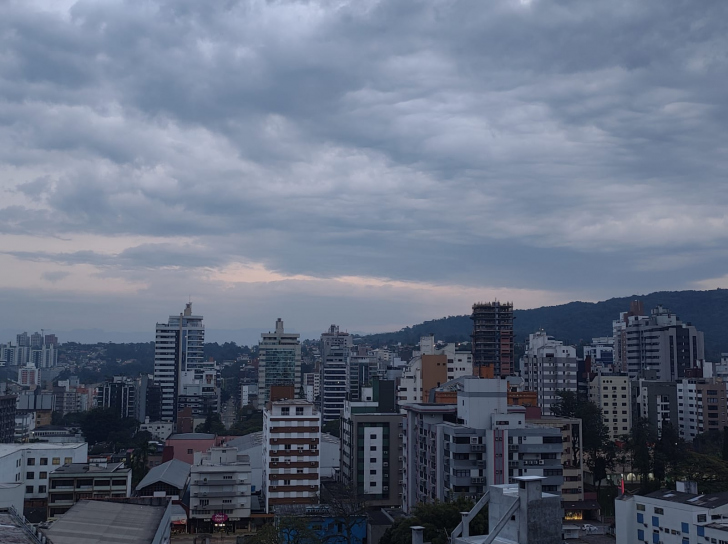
<point>492,344</point>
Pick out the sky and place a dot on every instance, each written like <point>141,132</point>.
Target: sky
<point>372,164</point>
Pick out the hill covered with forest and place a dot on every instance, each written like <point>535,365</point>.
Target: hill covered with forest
<point>579,322</point>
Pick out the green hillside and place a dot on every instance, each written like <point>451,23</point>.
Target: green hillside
<point>578,322</point>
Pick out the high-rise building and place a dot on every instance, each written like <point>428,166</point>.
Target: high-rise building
<point>492,345</point>
<point>121,394</point>
<point>291,453</point>
<point>619,333</point>
<point>548,367</point>
<point>611,392</point>
<point>279,362</point>
<point>662,343</point>
<point>701,406</point>
<point>457,450</point>
<point>371,446</point>
<point>29,376</point>
<point>335,372</point>
<point>178,352</point>
<point>7,418</point>
<point>36,340</point>
<point>23,340</point>
<point>656,402</point>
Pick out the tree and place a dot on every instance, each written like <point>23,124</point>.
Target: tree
<point>567,405</point>
<point>105,425</point>
<point>213,424</point>
<point>333,428</point>
<point>640,445</point>
<point>439,520</point>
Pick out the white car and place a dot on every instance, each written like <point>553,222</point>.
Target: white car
<point>589,528</point>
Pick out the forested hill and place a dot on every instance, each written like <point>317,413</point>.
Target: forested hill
<point>578,322</point>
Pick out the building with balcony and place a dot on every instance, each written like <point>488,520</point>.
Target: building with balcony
<point>371,446</point>
<point>611,393</point>
<point>492,339</point>
<point>456,450</point>
<point>7,418</point>
<point>291,453</point>
<point>701,406</point>
<point>548,367</point>
<point>279,362</point>
<point>31,464</point>
<point>78,481</point>
<point>335,372</point>
<point>220,484</point>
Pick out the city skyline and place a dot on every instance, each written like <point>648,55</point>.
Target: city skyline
<point>371,164</point>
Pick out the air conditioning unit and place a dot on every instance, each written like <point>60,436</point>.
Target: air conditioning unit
<point>473,439</point>
<point>540,462</point>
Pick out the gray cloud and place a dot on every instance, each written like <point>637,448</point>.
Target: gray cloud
<point>570,146</point>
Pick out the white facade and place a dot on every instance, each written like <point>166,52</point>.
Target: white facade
<point>220,484</point>
<point>336,372</point>
<point>29,376</point>
<point>671,517</point>
<point>158,429</point>
<point>31,463</point>
<point>548,367</point>
<point>459,363</point>
<point>291,453</point>
<point>178,348</point>
<point>611,392</point>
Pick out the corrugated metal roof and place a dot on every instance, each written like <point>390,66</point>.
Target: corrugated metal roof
<point>100,522</point>
<point>174,473</point>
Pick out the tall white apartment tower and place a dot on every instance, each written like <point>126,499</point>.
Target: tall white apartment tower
<point>335,372</point>
<point>548,366</point>
<point>178,352</point>
<point>279,362</point>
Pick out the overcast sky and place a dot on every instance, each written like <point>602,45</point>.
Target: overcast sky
<point>368,163</point>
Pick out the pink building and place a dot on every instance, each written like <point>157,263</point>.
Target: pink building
<point>183,446</point>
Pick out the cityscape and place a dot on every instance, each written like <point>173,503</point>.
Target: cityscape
<point>363,272</point>
<point>351,440</point>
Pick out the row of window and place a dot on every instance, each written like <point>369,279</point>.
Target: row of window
<point>44,461</point>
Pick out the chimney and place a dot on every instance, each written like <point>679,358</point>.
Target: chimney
<point>417,534</point>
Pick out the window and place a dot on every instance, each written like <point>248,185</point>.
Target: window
<point>31,461</point>
<point>659,510</point>
<point>42,489</point>
<point>44,460</point>
<point>285,411</point>
<point>640,534</point>
<point>373,436</point>
<point>29,476</point>
<point>29,489</point>
<point>372,448</point>
<point>227,501</point>
<point>373,471</point>
<point>640,518</point>
<point>190,451</point>
<point>56,461</point>
<point>640,507</point>
<point>702,518</point>
<point>372,459</point>
<point>43,475</point>
<point>227,477</point>
<point>685,527</point>
<point>372,484</point>
<point>655,521</point>
<point>299,410</point>
<point>67,460</point>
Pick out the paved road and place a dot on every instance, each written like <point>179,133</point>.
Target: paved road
<point>228,413</point>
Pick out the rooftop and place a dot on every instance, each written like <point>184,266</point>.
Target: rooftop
<point>12,531</point>
<point>7,449</point>
<point>99,522</point>
<point>174,473</point>
<point>191,436</point>
<point>711,500</point>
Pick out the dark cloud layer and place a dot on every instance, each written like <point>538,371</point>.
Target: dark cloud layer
<point>561,146</point>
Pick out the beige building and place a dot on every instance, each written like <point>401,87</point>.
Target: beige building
<point>611,393</point>
<point>572,458</point>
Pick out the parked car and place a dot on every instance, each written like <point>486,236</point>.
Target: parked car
<point>588,528</point>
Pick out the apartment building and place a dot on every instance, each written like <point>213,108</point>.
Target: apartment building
<point>656,402</point>
<point>32,463</point>
<point>672,517</point>
<point>78,481</point>
<point>335,372</point>
<point>611,392</point>
<point>371,446</point>
<point>291,453</point>
<point>701,406</point>
<point>492,339</point>
<point>7,418</point>
<point>456,450</point>
<point>431,368</point>
<point>548,367</point>
<point>220,484</point>
<point>279,362</point>
<point>663,344</point>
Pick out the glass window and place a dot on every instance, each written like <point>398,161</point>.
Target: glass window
<point>29,489</point>
<point>685,527</point>
<point>640,518</point>
<point>44,460</point>
<point>29,476</point>
<point>640,534</point>
<point>67,460</point>
<point>31,461</point>
<point>43,475</point>
<point>42,489</point>
<point>56,460</point>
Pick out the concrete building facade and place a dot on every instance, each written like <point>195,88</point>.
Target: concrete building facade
<point>548,367</point>
<point>611,392</point>
<point>492,339</point>
<point>279,362</point>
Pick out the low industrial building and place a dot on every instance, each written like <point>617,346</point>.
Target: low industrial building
<point>79,481</point>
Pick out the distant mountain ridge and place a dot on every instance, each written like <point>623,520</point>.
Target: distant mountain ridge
<point>579,322</point>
